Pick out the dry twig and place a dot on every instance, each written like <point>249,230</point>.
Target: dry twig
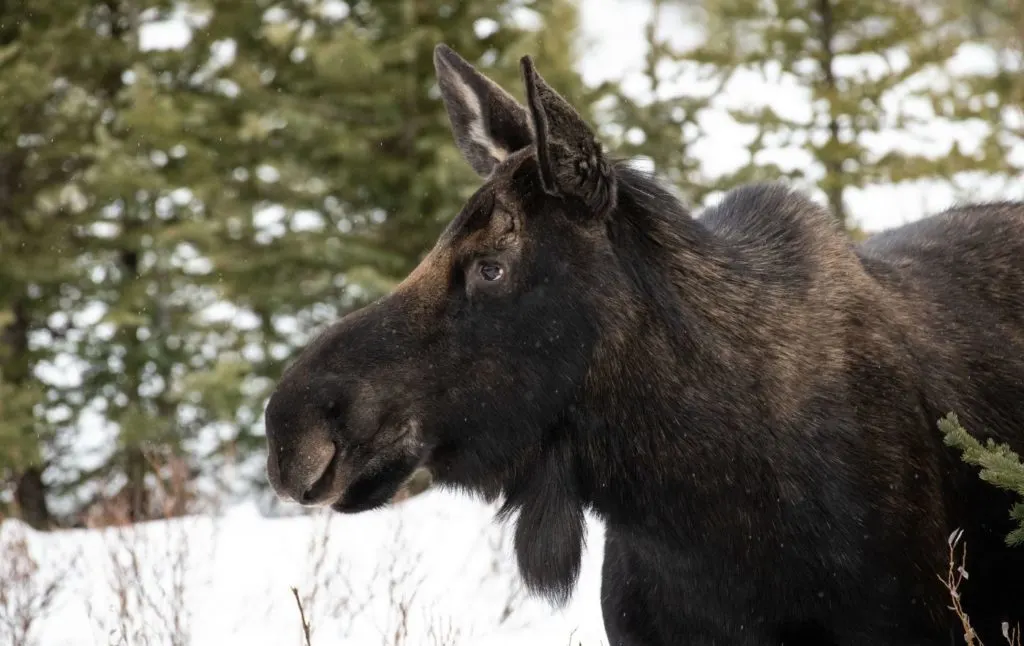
<point>1012,635</point>
<point>955,575</point>
<point>302,616</point>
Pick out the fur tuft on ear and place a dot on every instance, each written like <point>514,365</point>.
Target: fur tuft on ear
<point>488,123</point>
<point>569,156</point>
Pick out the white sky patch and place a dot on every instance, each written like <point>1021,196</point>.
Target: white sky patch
<point>172,33</point>
<point>307,221</point>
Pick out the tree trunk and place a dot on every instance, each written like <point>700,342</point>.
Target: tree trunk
<point>135,489</point>
<point>833,183</point>
<point>29,488</point>
<point>30,498</point>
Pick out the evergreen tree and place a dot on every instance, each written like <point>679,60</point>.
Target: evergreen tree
<point>175,222</point>
<point>663,127</point>
<point>852,59</point>
<point>994,94</point>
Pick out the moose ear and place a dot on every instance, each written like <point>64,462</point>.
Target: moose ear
<point>569,156</point>
<point>487,122</point>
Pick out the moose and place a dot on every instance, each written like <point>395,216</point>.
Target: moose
<point>747,398</point>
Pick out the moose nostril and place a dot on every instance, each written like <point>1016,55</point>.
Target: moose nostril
<point>301,450</point>
<point>334,409</point>
<point>304,471</point>
<point>308,496</point>
<point>316,490</point>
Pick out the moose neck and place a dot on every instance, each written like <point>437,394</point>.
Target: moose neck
<point>717,340</point>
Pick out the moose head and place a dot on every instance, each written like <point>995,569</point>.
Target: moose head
<point>476,364</point>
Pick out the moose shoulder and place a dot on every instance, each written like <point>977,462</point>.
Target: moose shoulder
<point>748,400</point>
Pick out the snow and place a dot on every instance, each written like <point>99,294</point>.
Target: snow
<point>440,555</point>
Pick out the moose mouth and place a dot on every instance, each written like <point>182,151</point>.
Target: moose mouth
<point>378,486</point>
<point>370,489</point>
<point>370,481</point>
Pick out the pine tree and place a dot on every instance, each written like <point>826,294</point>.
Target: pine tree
<point>175,223</point>
<point>46,116</point>
<point>663,127</point>
<point>993,96</point>
<point>813,45</point>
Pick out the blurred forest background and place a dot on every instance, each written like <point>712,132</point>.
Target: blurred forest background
<point>176,222</point>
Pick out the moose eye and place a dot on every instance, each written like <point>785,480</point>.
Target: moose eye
<point>490,271</point>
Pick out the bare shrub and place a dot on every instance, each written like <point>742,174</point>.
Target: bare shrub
<point>403,583</point>
<point>331,595</point>
<point>169,493</point>
<point>443,632</point>
<point>394,586</point>
<point>514,593</point>
<point>148,564</point>
<point>28,593</point>
<point>955,575</point>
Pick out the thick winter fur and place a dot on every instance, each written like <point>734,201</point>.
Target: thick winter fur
<point>748,400</point>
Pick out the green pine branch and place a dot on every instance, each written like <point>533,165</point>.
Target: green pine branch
<point>1000,466</point>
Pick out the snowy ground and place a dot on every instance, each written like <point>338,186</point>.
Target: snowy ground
<point>436,565</point>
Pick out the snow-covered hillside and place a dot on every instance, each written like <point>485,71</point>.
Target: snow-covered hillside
<point>434,570</point>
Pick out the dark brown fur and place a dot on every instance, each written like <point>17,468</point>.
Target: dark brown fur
<point>747,400</point>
